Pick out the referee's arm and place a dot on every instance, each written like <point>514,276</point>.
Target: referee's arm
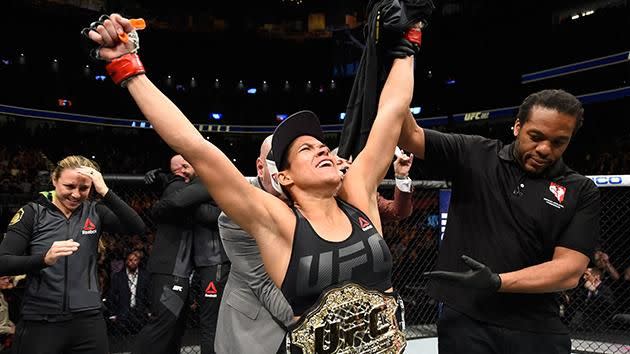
<point>571,255</point>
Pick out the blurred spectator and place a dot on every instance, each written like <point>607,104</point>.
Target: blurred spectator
<point>593,303</point>
<point>623,292</point>
<point>7,327</point>
<point>602,261</point>
<point>128,296</point>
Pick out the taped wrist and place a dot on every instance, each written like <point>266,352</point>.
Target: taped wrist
<point>124,67</point>
<point>404,184</point>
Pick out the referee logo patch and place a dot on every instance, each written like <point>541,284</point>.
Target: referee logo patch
<point>17,217</point>
<point>558,191</point>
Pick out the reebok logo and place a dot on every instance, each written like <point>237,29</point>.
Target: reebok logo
<point>88,228</point>
<point>211,290</point>
<point>364,224</point>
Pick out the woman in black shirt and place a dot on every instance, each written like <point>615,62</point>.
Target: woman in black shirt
<point>54,240</point>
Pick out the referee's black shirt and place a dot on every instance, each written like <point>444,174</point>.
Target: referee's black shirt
<point>508,220</point>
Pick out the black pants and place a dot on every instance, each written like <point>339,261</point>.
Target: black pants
<point>213,279</point>
<point>458,333</point>
<point>85,333</point>
<point>163,333</point>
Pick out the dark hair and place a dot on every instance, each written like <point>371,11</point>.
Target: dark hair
<point>559,100</point>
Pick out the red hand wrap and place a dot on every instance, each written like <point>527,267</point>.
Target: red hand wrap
<point>124,67</point>
<point>414,35</point>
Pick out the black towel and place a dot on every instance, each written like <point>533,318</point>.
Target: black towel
<point>387,20</point>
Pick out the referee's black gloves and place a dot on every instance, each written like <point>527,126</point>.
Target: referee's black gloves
<point>480,276</point>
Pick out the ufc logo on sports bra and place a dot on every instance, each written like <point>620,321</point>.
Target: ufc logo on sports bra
<point>350,257</point>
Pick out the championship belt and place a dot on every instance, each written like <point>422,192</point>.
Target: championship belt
<point>351,319</point>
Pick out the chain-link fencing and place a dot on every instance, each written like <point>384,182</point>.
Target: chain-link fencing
<point>597,311</point>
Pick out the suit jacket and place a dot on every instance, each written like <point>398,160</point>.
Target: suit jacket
<point>119,295</point>
<point>253,313</point>
<point>172,249</point>
<point>193,203</point>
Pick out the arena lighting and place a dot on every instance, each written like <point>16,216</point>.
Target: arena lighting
<point>216,116</point>
<point>141,125</point>
<point>62,102</point>
<point>416,110</point>
<point>281,116</point>
<point>589,12</point>
<point>251,91</point>
<point>55,65</point>
<point>575,17</point>
<point>342,116</point>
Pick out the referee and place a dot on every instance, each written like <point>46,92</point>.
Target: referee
<point>521,227</point>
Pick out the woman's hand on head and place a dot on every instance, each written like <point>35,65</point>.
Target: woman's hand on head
<point>97,179</point>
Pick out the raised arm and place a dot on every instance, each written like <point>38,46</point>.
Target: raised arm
<point>372,163</point>
<point>249,207</point>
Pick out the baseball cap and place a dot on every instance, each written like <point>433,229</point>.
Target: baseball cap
<point>294,126</point>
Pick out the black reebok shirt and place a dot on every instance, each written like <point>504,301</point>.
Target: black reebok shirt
<point>508,220</point>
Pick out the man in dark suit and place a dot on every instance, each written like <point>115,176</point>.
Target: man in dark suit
<point>170,265</point>
<point>127,299</point>
<point>593,303</point>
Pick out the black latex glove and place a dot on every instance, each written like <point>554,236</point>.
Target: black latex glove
<point>401,48</point>
<point>151,176</point>
<point>480,276</point>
